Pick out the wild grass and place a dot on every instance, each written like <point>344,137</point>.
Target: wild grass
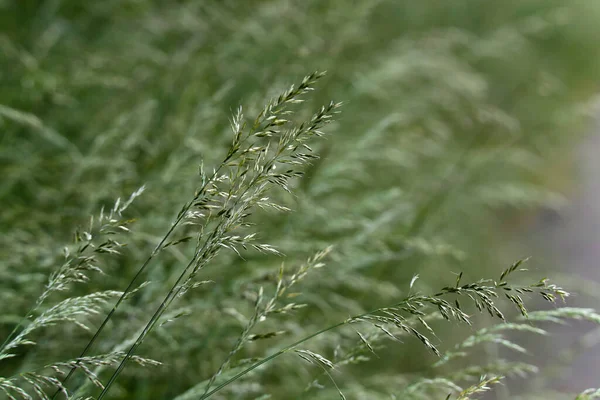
<point>216,218</point>
<point>261,260</point>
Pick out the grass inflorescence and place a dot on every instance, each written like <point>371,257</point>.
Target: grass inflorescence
<point>263,258</point>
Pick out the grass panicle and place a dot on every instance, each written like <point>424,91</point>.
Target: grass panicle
<point>456,138</point>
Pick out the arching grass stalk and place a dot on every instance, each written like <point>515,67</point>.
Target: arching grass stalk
<point>264,126</point>
<point>271,306</point>
<point>235,194</point>
<point>84,259</point>
<point>17,327</point>
<point>481,293</point>
<point>97,240</point>
<point>296,344</point>
<point>208,251</point>
<point>180,217</point>
<point>132,283</point>
<point>273,356</point>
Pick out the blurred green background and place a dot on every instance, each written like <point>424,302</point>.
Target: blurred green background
<point>458,124</point>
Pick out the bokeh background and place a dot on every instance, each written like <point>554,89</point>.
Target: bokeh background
<point>462,146</point>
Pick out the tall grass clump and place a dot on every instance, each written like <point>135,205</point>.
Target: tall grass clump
<point>261,260</point>
<point>218,217</point>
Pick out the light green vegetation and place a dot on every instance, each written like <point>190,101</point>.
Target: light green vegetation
<point>273,250</point>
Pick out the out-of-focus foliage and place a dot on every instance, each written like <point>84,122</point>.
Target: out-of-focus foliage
<point>453,112</point>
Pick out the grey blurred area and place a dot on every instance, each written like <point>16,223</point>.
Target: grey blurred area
<point>570,241</point>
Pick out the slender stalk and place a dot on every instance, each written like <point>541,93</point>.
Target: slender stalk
<point>272,356</point>
<point>135,278</point>
<point>159,311</point>
<point>404,302</point>
<point>221,228</point>
<point>11,336</point>
<point>176,288</point>
<point>118,303</point>
<point>292,346</point>
<point>173,293</point>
